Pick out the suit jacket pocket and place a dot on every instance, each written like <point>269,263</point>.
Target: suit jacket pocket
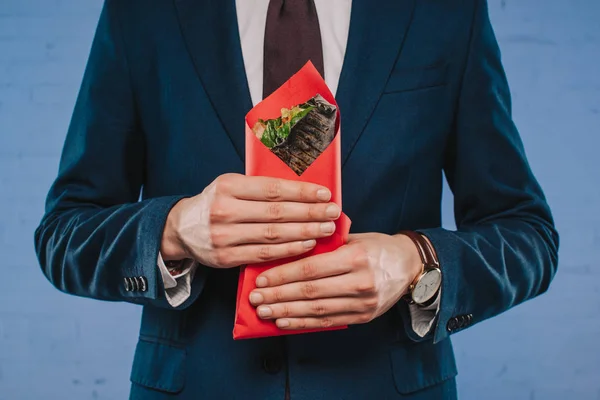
<point>414,78</point>
<point>417,366</point>
<point>159,366</point>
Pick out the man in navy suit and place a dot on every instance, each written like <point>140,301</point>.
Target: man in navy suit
<point>160,115</point>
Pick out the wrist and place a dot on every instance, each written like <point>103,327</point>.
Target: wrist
<point>413,263</point>
<point>428,282</point>
<point>172,246</point>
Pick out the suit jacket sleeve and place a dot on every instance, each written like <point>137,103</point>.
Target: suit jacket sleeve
<point>95,232</point>
<point>505,248</point>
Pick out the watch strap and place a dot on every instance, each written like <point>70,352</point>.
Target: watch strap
<point>428,255</point>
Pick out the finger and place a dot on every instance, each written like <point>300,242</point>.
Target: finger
<point>337,286</point>
<point>306,269</point>
<point>234,235</point>
<point>329,321</point>
<point>255,253</point>
<point>260,188</point>
<point>318,308</point>
<point>253,211</point>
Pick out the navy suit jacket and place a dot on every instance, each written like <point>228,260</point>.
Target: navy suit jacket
<point>161,114</point>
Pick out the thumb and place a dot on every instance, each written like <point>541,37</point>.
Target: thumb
<point>353,237</point>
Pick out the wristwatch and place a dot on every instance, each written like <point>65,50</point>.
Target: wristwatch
<point>426,286</point>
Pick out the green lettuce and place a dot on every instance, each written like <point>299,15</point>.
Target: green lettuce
<point>273,132</point>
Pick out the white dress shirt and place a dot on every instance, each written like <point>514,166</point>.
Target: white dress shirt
<point>334,22</point>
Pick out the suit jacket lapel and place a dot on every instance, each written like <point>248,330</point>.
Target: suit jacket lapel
<point>377,32</point>
<point>210,30</point>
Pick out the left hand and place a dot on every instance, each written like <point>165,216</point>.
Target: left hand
<point>352,285</point>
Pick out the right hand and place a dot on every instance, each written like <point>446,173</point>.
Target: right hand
<point>242,219</point>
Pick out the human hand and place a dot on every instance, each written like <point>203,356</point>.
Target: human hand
<point>241,219</point>
<point>354,284</point>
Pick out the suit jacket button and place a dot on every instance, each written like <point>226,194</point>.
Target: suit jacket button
<point>272,365</point>
<point>452,324</point>
<point>136,283</point>
<point>127,284</point>
<point>143,283</point>
<point>132,284</point>
<point>462,321</point>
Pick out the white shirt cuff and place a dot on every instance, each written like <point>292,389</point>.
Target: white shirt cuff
<point>179,287</point>
<point>422,317</point>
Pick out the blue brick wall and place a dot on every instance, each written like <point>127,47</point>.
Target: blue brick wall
<point>54,346</point>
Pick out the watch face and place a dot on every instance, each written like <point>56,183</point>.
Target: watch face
<point>427,286</point>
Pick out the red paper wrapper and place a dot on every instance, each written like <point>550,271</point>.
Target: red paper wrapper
<point>260,161</point>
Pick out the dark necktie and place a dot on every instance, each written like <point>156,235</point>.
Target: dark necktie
<point>292,37</point>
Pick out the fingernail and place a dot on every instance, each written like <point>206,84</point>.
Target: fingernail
<point>332,211</point>
<point>323,194</point>
<point>307,244</point>
<point>327,227</point>
<point>282,323</point>
<point>256,298</point>
<point>261,281</point>
<point>264,311</point>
